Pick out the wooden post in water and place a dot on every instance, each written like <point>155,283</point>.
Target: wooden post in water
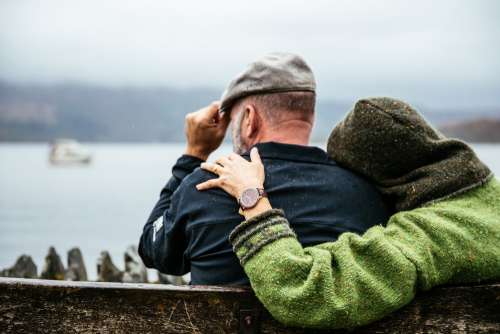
<point>45,306</point>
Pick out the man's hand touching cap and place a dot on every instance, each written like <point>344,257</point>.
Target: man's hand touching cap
<point>205,129</point>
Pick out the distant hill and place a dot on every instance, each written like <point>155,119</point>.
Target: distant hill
<point>138,114</point>
<point>88,113</point>
<point>481,130</point>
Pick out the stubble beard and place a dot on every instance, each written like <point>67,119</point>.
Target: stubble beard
<point>238,146</point>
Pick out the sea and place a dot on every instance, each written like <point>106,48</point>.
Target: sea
<point>97,207</point>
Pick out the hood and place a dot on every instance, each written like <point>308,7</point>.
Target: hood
<point>410,162</point>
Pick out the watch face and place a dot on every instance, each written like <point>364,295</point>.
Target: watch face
<point>249,198</point>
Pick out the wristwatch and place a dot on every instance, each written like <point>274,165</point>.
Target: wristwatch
<point>250,197</point>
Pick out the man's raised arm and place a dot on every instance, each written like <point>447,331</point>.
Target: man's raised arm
<point>162,243</point>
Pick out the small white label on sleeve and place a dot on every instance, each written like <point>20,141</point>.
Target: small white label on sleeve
<point>157,225</point>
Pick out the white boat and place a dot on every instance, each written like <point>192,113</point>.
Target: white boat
<point>69,151</point>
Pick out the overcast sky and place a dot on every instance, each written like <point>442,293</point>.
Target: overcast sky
<point>443,53</point>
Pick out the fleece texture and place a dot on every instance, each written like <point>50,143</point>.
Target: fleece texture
<point>359,279</point>
<point>446,226</point>
<point>411,163</point>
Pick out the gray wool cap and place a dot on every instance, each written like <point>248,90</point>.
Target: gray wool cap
<point>273,73</point>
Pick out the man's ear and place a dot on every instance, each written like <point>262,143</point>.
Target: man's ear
<point>253,121</point>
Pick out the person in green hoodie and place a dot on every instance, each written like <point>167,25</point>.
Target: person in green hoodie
<point>445,228</point>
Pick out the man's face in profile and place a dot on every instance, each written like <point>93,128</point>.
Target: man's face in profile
<point>236,116</point>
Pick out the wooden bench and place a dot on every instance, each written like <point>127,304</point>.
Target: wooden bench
<point>43,306</point>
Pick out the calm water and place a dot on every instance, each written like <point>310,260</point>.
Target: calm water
<point>98,207</point>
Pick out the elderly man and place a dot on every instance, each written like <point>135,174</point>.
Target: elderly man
<point>271,106</point>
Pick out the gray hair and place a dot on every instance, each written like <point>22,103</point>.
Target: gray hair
<point>277,107</point>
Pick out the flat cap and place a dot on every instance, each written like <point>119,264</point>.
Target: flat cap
<point>273,73</point>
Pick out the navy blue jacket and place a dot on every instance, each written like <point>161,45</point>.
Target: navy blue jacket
<point>188,230</point>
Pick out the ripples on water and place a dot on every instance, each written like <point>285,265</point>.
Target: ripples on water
<point>98,207</point>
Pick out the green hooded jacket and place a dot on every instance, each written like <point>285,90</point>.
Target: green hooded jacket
<point>445,230</point>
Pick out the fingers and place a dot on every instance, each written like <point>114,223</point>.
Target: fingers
<point>215,119</point>
<point>223,120</point>
<point>207,116</point>
<point>254,155</point>
<point>213,168</point>
<point>213,183</point>
<point>212,111</point>
<point>223,161</point>
<point>236,157</point>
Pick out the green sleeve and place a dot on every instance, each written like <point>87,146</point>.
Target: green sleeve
<point>341,284</point>
<point>359,279</point>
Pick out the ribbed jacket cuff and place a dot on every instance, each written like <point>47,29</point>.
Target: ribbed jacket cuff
<point>250,236</point>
